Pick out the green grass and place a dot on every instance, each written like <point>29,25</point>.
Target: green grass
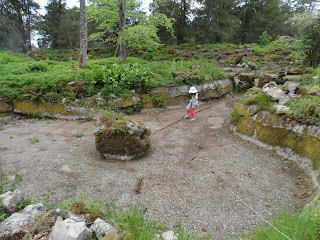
<point>305,108</point>
<point>79,134</point>
<point>46,80</point>
<point>131,222</point>
<point>34,140</point>
<point>304,224</point>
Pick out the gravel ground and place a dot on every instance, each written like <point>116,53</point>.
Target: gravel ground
<point>191,172</point>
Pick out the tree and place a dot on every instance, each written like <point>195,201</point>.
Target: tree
<point>139,30</point>
<point>122,25</point>
<point>83,34</point>
<point>215,21</point>
<point>178,11</point>
<point>52,22</point>
<point>308,25</point>
<point>257,16</point>
<point>17,22</point>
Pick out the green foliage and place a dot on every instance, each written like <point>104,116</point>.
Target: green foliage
<point>120,79</point>
<point>235,116</point>
<point>34,140</point>
<point>260,98</point>
<point>305,108</point>
<point>263,100</point>
<point>79,134</point>
<point>301,225</point>
<point>308,25</point>
<point>47,197</point>
<point>6,185</point>
<point>141,30</point>
<point>265,38</point>
<point>116,121</point>
<point>157,99</point>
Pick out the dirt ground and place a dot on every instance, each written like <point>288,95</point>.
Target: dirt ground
<point>190,173</point>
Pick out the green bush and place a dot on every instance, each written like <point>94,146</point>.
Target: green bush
<point>263,100</point>
<point>235,116</point>
<point>306,108</point>
<point>120,79</point>
<point>157,99</point>
<point>265,38</point>
<point>301,225</point>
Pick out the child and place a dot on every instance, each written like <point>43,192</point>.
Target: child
<point>193,104</point>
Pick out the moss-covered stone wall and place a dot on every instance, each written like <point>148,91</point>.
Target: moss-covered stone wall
<point>289,138</point>
<point>171,95</point>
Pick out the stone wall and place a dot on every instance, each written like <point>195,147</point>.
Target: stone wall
<point>291,139</point>
<point>172,95</point>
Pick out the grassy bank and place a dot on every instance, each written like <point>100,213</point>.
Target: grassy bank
<point>46,80</point>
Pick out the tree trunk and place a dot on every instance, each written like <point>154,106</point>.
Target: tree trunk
<point>207,30</point>
<point>122,24</point>
<point>83,34</point>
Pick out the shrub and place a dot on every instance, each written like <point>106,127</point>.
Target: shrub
<point>235,116</point>
<point>120,79</point>
<point>157,99</point>
<point>263,100</point>
<point>265,38</point>
<point>306,109</point>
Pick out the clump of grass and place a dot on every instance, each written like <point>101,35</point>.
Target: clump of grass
<point>79,134</point>
<point>305,108</point>
<point>157,99</point>
<point>116,121</point>
<point>304,224</point>
<point>235,116</point>
<point>34,140</point>
<point>263,100</point>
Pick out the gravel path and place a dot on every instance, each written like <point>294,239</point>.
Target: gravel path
<point>189,172</point>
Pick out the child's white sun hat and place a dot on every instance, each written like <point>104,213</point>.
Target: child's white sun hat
<point>193,90</point>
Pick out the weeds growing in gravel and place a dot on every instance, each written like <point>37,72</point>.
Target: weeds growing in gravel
<point>79,134</point>
<point>132,223</point>
<point>301,225</point>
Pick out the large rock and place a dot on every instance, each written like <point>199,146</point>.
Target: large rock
<point>246,80</point>
<point>70,230</point>
<point>76,86</point>
<point>120,138</point>
<point>101,228</point>
<point>291,86</point>
<point>18,223</point>
<point>273,91</point>
<point>266,78</point>
<point>10,200</point>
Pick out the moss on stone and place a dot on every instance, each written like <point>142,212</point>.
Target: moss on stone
<point>4,107</point>
<point>274,131</point>
<point>30,107</point>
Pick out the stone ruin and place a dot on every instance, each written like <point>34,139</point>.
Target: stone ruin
<point>118,137</point>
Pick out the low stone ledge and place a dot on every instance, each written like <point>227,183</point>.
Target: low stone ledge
<point>293,140</point>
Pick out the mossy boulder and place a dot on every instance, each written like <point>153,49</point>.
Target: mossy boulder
<point>266,78</point>
<point>246,80</point>
<point>121,138</point>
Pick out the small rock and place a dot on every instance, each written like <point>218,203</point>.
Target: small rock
<point>70,230</point>
<point>281,108</point>
<point>283,100</point>
<point>101,228</point>
<point>169,235</point>
<point>10,200</point>
<point>76,86</point>
<point>291,86</point>
<point>18,223</point>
